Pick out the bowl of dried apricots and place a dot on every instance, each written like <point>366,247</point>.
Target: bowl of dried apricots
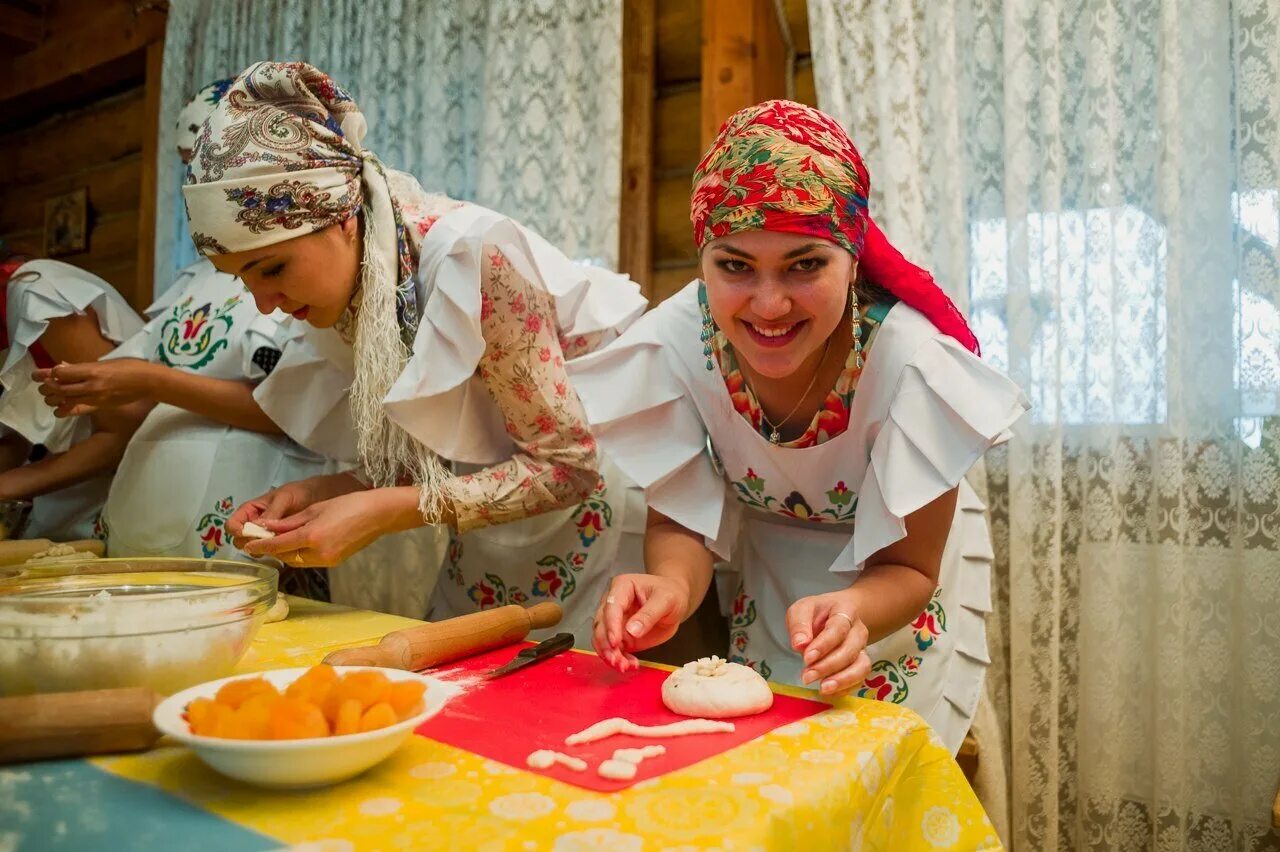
<point>293,729</point>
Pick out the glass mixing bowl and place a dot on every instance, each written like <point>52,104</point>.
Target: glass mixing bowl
<point>165,624</point>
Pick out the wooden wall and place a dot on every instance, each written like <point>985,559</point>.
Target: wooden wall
<point>676,129</point>
<point>79,95</point>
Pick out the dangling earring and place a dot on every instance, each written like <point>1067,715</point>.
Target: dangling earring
<point>856,322</point>
<point>707,334</point>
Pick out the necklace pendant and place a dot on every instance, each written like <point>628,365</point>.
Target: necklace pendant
<point>773,437</point>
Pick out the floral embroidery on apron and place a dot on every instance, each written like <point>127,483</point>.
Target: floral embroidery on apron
<point>191,337</point>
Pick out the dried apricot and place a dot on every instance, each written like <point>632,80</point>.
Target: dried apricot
<point>404,696</point>
<point>213,721</point>
<point>380,715</point>
<point>292,719</point>
<point>236,692</point>
<point>369,687</point>
<point>198,714</point>
<point>314,684</point>
<point>348,718</point>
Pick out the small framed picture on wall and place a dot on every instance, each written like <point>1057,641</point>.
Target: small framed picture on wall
<point>66,226</point>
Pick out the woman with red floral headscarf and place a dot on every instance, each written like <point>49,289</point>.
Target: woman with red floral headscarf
<point>806,412</point>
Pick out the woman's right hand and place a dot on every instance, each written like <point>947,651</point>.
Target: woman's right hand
<point>275,504</point>
<point>639,611</point>
<point>288,499</point>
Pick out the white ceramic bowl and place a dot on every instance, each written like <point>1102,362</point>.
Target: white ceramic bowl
<point>298,764</point>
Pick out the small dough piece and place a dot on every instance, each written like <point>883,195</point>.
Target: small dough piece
<point>252,530</point>
<point>635,755</point>
<point>612,727</point>
<point>279,610</point>
<point>712,688</point>
<point>546,758</point>
<point>60,553</point>
<point>617,770</point>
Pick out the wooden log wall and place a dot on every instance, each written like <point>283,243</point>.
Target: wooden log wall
<point>79,102</point>
<point>685,38</point>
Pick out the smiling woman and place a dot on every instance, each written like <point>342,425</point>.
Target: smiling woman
<point>832,485</point>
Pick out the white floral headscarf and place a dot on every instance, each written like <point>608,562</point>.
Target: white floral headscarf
<point>282,156</point>
<point>197,111</point>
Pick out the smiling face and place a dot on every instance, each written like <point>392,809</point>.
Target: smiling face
<point>312,277</point>
<point>777,296</point>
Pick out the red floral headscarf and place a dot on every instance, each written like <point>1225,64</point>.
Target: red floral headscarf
<point>783,166</point>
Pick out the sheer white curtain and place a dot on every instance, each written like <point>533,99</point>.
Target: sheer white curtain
<point>515,104</point>
<point>1099,181</point>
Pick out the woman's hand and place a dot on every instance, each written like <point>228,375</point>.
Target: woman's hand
<point>289,499</point>
<point>639,611</point>
<point>75,389</point>
<point>328,531</point>
<point>828,632</point>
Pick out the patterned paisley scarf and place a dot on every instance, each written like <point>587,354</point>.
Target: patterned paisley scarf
<point>783,166</point>
<point>281,156</point>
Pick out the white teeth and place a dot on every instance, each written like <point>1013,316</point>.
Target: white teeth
<point>771,332</point>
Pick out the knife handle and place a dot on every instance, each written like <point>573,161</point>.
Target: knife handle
<point>548,647</point>
<point>416,648</point>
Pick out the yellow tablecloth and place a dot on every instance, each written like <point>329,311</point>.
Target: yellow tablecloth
<point>862,775</point>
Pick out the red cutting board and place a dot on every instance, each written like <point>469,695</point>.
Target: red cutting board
<point>537,707</point>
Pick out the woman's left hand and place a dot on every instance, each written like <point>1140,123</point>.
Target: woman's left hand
<point>828,632</point>
<point>325,533</point>
<point>75,389</point>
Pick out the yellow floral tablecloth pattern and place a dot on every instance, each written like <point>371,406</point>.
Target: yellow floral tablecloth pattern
<point>862,775</point>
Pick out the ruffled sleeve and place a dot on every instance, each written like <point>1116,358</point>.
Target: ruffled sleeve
<point>306,393</point>
<point>635,390</point>
<point>439,399</point>
<point>39,292</point>
<point>944,408</point>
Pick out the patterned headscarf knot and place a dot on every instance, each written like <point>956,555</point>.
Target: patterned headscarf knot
<point>196,112</point>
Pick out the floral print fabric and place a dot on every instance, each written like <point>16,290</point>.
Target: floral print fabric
<point>523,368</point>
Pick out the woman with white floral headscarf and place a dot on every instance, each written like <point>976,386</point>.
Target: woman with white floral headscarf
<point>451,326</point>
<point>206,444</point>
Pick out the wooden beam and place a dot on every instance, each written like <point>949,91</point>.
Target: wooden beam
<point>146,285</point>
<point>21,25</point>
<point>118,30</point>
<point>635,222</point>
<point>744,59</point>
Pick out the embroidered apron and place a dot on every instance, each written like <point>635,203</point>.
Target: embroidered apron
<point>183,475</point>
<point>799,512</point>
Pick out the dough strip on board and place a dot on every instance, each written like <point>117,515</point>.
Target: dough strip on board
<point>615,726</point>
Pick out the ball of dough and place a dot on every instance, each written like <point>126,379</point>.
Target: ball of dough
<point>712,688</point>
<point>279,610</point>
<point>252,530</point>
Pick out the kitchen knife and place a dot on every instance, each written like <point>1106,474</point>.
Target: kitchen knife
<point>545,649</point>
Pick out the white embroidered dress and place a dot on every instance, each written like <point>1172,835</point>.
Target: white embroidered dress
<point>477,402</point>
<point>798,522</point>
<point>41,291</point>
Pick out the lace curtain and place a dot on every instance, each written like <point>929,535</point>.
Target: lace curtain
<point>515,104</point>
<point>1099,181</point>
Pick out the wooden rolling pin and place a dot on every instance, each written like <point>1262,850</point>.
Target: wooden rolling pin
<point>73,724</point>
<point>416,648</point>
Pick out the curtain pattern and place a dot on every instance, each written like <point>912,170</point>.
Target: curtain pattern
<point>1099,181</point>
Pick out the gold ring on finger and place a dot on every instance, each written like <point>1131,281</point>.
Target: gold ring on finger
<point>845,616</point>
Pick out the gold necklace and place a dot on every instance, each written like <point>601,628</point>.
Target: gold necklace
<point>774,437</point>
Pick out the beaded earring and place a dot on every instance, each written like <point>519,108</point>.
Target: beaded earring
<point>708,334</point>
<point>856,322</point>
